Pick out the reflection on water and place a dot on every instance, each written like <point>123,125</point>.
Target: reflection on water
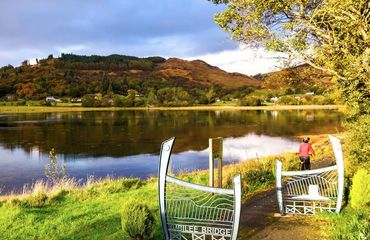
<point>127,143</point>
<point>235,150</point>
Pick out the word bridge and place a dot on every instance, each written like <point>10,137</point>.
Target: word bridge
<point>196,212</point>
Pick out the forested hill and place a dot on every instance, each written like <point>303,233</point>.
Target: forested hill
<point>75,76</point>
<point>299,79</point>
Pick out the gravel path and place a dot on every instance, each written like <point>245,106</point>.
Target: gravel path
<point>260,220</point>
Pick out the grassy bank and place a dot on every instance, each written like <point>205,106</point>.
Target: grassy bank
<point>74,108</point>
<point>94,210</point>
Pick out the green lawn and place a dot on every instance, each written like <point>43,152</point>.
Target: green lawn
<point>89,213</point>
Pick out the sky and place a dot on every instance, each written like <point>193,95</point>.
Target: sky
<point>169,28</point>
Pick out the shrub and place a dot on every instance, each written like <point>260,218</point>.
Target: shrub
<point>320,100</point>
<point>91,101</point>
<point>357,145</point>
<point>258,179</point>
<point>54,171</point>
<point>21,102</point>
<point>351,224</point>
<point>287,100</point>
<point>251,101</point>
<point>37,200</point>
<point>132,183</point>
<point>118,101</point>
<point>360,191</point>
<point>45,103</point>
<point>139,102</point>
<point>106,101</point>
<point>127,102</point>
<point>137,221</point>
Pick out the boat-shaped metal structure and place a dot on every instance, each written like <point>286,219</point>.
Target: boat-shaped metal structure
<point>311,191</point>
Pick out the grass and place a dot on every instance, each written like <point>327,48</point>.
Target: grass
<point>78,108</point>
<point>92,212</point>
<point>350,224</point>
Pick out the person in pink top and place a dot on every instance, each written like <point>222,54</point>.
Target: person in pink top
<point>305,150</point>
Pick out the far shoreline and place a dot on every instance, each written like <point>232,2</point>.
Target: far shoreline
<point>43,109</point>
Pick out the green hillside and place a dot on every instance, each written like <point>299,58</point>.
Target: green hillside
<point>75,76</point>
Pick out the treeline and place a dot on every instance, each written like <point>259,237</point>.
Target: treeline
<point>113,62</point>
<point>167,96</point>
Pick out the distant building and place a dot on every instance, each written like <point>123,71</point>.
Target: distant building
<point>274,99</point>
<point>10,97</point>
<point>310,93</point>
<point>52,99</point>
<point>76,100</point>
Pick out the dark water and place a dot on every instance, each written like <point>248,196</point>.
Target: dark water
<point>126,143</point>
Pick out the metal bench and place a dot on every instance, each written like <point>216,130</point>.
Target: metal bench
<point>192,211</point>
<point>311,191</point>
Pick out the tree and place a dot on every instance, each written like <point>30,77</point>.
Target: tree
<point>106,85</point>
<point>210,95</point>
<point>330,35</point>
<point>152,98</point>
<point>25,63</point>
<point>131,94</point>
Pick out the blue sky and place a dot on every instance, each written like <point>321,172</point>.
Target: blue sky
<point>169,28</point>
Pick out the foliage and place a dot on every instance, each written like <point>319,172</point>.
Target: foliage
<point>350,224</point>
<point>297,80</point>
<point>90,101</point>
<point>360,191</point>
<point>357,147</point>
<point>287,100</point>
<point>53,171</point>
<point>210,95</point>
<point>251,101</point>
<point>137,221</point>
<point>152,98</point>
<point>176,96</point>
<point>330,35</point>
<point>321,100</point>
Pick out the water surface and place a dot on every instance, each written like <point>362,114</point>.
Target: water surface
<point>126,143</point>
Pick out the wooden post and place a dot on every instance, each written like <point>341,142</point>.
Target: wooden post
<point>215,151</point>
<point>211,164</point>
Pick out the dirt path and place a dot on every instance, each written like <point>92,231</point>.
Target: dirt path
<point>259,221</point>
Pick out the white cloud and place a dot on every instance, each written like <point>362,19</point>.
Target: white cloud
<point>243,60</point>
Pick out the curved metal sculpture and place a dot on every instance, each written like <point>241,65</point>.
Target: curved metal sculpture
<point>306,192</point>
<point>192,211</point>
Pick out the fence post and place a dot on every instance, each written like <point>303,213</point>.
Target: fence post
<point>279,188</point>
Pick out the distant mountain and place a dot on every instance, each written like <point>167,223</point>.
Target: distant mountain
<point>75,76</point>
